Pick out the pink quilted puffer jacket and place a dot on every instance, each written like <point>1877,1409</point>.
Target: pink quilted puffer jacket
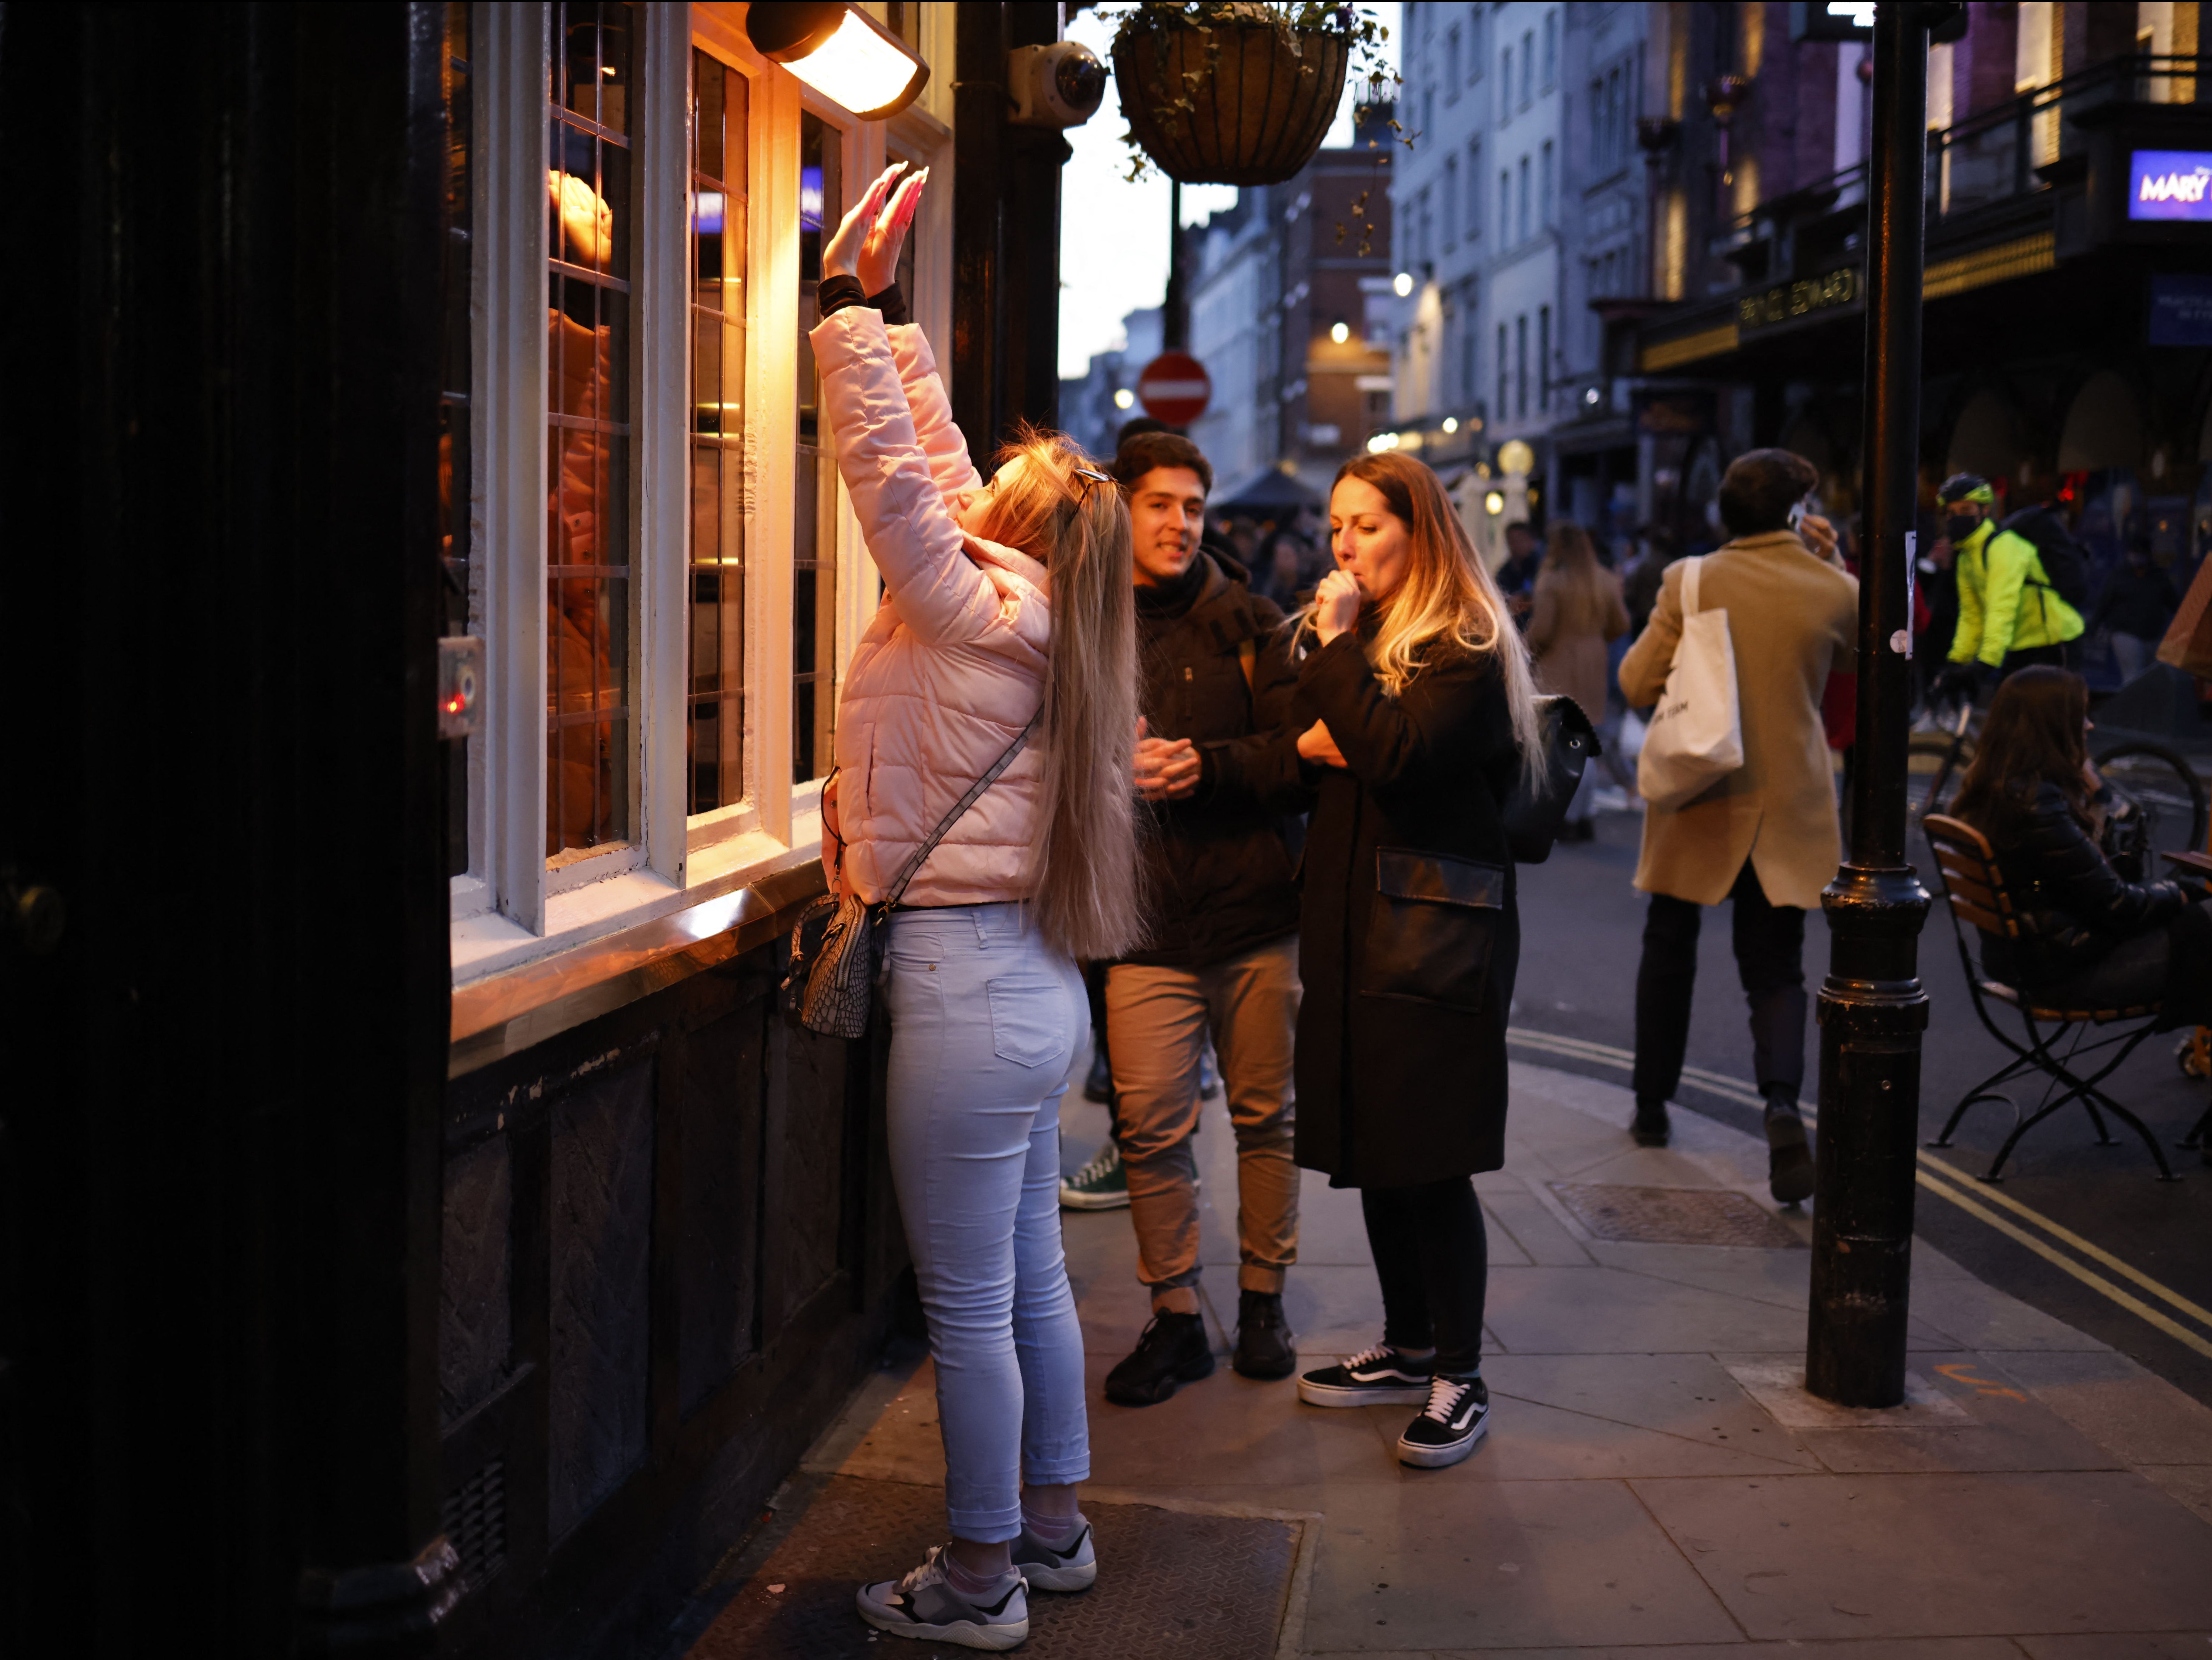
<point>953,664</point>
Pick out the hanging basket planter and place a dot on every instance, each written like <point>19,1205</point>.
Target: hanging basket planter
<point>1222,95</point>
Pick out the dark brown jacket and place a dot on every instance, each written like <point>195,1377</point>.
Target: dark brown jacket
<point>1222,873</point>
<point>1410,937</point>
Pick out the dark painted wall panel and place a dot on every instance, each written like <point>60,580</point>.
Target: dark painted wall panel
<point>475,1323</point>
<point>719,1093</point>
<point>601,1238</point>
<point>805,1149</point>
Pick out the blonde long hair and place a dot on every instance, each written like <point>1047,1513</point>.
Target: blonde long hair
<point>1087,902</point>
<point>1446,595</point>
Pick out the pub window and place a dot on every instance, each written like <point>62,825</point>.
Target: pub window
<point>589,534</point>
<point>814,481</point>
<point>716,728</point>
<point>455,475</point>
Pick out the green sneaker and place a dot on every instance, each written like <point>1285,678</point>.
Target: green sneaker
<point>1101,1184</point>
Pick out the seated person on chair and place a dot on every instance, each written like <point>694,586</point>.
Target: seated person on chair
<point>2091,939</point>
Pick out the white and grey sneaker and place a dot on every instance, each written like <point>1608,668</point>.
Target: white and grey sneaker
<point>1447,1429</point>
<point>924,1604</point>
<point>1047,1566</point>
<point>1380,1376</point>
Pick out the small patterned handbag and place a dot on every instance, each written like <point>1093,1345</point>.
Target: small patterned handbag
<point>828,984</point>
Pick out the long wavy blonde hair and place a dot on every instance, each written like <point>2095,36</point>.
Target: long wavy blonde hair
<point>1446,595</point>
<point>1087,902</point>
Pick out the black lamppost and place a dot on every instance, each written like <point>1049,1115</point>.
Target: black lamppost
<point>1872,1008</point>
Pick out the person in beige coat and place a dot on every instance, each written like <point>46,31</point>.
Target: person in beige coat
<point>1765,836</point>
<point>1577,612</point>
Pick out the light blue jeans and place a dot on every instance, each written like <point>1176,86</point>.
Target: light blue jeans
<point>987,1020</point>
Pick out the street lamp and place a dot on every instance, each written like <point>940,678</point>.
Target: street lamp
<point>842,52</point>
<point>1873,1007</point>
<point>1340,330</point>
<point>1403,283</point>
<point>1451,425</point>
<point>1124,398</point>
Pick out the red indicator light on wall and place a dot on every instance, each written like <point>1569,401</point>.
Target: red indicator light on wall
<point>460,684</point>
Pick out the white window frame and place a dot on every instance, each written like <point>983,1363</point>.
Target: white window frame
<point>512,907</point>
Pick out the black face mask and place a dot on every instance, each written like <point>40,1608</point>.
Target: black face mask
<point>1960,525</point>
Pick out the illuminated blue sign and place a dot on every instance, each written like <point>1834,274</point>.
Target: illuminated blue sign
<point>2169,184</point>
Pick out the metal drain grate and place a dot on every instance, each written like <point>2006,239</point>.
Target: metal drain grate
<point>1674,1216</point>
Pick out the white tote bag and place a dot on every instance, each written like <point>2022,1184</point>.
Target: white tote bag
<point>1696,733</point>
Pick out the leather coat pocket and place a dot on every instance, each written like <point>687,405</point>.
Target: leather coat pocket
<point>1430,932</point>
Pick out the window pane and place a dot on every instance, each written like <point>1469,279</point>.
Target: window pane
<point>454,473</point>
<point>715,733</point>
<point>814,563</point>
<point>587,540</point>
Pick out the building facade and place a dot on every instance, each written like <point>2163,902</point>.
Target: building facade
<point>1093,408</point>
<point>1290,313</point>
<point>2065,356</point>
<point>440,1242</point>
<point>1516,207</point>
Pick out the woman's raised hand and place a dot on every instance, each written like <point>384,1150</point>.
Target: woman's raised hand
<point>868,239</point>
<point>879,249</point>
<point>841,256</point>
<point>1336,604</point>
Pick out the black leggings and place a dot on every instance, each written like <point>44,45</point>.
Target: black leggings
<point>1433,1259</point>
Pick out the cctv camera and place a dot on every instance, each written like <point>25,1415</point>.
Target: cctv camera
<point>1057,86</point>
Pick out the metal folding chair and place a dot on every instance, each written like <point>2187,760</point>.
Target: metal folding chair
<point>1974,890</point>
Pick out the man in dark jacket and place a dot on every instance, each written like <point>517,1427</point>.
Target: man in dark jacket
<point>2137,605</point>
<point>1218,765</point>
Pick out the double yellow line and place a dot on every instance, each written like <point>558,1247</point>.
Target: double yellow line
<point>1961,1190</point>
<point>1940,1178</point>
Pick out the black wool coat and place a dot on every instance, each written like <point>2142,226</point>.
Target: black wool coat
<point>1409,937</point>
<point>1221,875</point>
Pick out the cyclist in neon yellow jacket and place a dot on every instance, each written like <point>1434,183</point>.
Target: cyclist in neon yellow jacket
<point>2009,615</point>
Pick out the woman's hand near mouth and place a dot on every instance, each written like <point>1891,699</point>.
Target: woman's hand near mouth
<point>1336,604</point>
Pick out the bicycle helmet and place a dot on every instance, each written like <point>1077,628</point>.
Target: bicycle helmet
<point>1966,487</point>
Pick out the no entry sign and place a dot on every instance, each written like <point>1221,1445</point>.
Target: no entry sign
<point>1173,388</point>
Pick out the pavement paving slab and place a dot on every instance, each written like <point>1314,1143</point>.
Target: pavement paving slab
<point>1940,1555</point>
<point>1654,1484</point>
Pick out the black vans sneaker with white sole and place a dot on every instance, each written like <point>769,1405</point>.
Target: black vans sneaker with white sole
<point>1456,1417</point>
<point>1047,1566</point>
<point>924,1604</point>
<point>1381,1376</point>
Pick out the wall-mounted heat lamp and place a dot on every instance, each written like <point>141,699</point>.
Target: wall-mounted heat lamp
<point>842,52</point>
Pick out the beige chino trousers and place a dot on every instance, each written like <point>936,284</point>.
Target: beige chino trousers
<point>1157,1022</point>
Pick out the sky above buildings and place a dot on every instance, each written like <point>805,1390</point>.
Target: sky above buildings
<point>1114,234</point>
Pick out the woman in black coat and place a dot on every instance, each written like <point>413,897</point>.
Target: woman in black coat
<point>1416,714</point>
<point>2093,938</point>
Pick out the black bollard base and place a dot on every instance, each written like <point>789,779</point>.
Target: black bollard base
<point>1872,1013</point>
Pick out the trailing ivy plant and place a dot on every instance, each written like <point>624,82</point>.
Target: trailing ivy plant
<point>1358,26</point>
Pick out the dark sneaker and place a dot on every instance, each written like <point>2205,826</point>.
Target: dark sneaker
<point>1447,1429</point>
<point>1070,1566</point>
<point>1788,1161</point>
<point>1101,1184</point>
<point>924,1604</point>
<point>1099,1086</point>
<point>1380,1378</point>
<point>1173,1351</point>
<point>1650,1128</point>
<point>1263,1337</point>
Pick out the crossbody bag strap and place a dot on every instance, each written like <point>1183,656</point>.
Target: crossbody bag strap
<point>912,866</point>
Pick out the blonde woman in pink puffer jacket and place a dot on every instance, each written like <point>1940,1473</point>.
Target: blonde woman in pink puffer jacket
<point>1004,604</point>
